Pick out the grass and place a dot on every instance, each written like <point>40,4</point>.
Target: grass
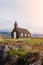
<point>13,52</point>
<point>28,40</point>
<point>20,52</point>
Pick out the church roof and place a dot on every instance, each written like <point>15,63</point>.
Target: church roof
<point>21,30</point>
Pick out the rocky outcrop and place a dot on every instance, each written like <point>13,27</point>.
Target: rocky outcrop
<point>30,58</point>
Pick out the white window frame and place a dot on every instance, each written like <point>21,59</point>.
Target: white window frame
<point>14,34</point>
<point>25,34</point>
<point>28,35</point>
<point>21,34</point>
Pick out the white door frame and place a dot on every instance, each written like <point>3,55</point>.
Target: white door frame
<point>14,34</point>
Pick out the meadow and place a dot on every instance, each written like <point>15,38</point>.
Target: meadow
<point>23,48</point>
<point>29,44</point>
<point>31,41</point>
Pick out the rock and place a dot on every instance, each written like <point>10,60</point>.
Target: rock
<point>1,53</point>
<point>13,58</point>
<point>4,57</point>
<point>6,49</point>
<point>35,58</point>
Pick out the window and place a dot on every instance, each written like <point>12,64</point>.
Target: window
<point>21,34</point>
<point>28,35</point>
<point>25,34</point>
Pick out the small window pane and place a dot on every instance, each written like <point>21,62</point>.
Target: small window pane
<point>21,34</point>
<point>28,35</point>
<point>25,34</point>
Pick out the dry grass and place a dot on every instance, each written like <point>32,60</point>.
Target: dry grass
<point>31,44</point>
<point>1,39</point>
<point>28,40</point>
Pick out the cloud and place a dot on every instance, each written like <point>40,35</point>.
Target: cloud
<point>28,13</point>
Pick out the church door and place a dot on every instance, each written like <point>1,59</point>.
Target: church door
<point>14,34</point>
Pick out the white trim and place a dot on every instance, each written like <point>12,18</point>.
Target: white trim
<point>28,35</point>
<point>14,34</point>
<point>21,34</point>
<point>25,34</point>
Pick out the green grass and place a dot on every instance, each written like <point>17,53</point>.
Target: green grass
<point>28,40</point>
<point>20,52</point>
<point>13,52</point>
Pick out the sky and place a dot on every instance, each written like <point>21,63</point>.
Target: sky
<point>27,13</point>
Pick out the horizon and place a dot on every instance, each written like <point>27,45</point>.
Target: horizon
<point>27,13</point>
